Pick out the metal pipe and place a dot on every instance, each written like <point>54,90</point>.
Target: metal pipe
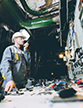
<point>31,11</point>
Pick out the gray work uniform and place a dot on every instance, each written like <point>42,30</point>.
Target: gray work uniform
<point>13,65</point>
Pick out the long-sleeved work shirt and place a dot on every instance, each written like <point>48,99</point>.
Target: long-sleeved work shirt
<point>13,64</point>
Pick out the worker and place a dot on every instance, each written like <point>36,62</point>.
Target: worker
<point>14,63</point>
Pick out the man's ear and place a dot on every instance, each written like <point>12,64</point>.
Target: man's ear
<point>14,40</point>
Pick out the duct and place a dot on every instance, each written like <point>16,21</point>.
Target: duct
<point>39,22</point>
<point>33,12</point>
<point>12,10</point>
<point>10,13</point>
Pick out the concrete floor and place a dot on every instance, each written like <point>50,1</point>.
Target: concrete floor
<point>37,99</point>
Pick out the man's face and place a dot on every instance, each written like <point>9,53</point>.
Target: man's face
<point>19,40</point>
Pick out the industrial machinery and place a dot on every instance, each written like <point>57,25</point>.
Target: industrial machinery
<point>74,44</point>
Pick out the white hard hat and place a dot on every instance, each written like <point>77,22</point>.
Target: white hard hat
<point>25,33</point>
<point>17,34</point>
